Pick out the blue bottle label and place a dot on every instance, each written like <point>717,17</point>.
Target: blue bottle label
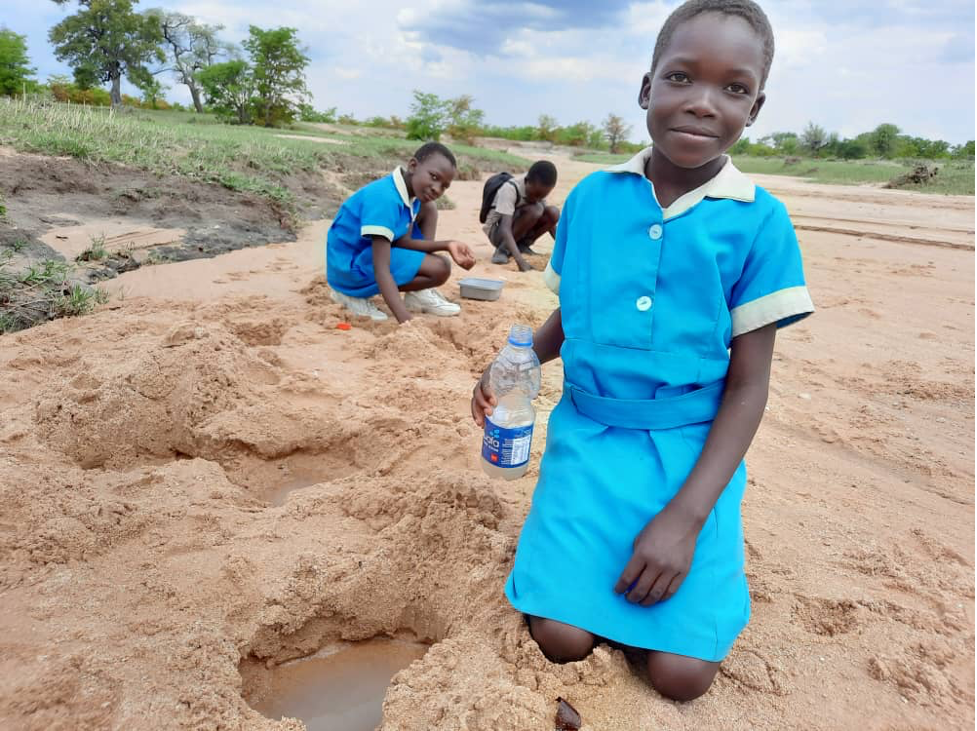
<point>506,447</point>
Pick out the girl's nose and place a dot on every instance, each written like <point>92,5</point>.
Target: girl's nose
<point>701,102</point>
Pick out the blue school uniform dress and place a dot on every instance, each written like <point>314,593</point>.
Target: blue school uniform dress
<point>650,300</point>
<point>381,208</point>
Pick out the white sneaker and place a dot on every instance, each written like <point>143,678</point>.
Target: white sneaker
<point>432,302</point>
<point>359,306</point>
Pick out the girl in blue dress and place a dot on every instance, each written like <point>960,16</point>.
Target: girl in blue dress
<point>674,272</point>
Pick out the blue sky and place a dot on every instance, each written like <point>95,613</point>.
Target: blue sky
<point>846,64</point>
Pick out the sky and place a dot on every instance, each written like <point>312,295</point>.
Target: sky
<point>847,65</point>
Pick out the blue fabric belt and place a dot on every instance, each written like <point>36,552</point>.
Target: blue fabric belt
<point>693,407</point>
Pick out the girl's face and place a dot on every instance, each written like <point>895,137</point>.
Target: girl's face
<point>430,179</point>
<point>705,89</point>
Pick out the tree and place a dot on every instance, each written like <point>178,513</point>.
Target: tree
<point>15,68</point>
<point>785,143</point>
<point>191,47</point>
<point>964,151</point>
<point>464,122</point>
<point>428,117</point>
<point>546,128</point>
<point>106,40</point>
<point>883,139</point>
<point>851,149</point>
<point>230,89</point>
<point>616,131</point>
<point>278,65</point>
<point>814,138</point>
<point>153,92</point>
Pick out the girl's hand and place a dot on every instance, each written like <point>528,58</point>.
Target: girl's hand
<point>483,400</point>
<point>462,254</point>
<point>661,559</point>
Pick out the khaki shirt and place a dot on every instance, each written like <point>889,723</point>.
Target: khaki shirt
<point>505,203</point>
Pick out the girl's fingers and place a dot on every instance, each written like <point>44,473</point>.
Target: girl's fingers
<point>674,585</point>
<point>630,574</point>
<point>657,591</point>
<point>640,591</point>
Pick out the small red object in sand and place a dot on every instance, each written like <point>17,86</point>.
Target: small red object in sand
<point>567,718</point>
<point>344,326</point>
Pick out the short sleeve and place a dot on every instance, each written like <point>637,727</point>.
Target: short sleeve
<point>380,215</point>
<point>554,269</point>
<point>771,287</point>
<point>505,199</point>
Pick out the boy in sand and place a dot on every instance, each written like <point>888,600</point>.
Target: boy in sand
<point>519,214</point>
<point>382,241</point>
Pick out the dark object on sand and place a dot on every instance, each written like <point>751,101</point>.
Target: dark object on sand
<point>567,718</point>
<point>920,174</point>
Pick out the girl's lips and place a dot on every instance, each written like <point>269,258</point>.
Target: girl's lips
<point>694,135</point>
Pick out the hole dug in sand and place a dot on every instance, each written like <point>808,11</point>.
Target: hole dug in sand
<point>340,688</point>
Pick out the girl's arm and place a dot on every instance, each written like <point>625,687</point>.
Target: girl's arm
<point>460,252</point>
<point>385,280</point>
<point>546,342</point>
<point>663,550</point>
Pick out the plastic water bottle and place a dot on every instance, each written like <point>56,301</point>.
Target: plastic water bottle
<point>514,378</point>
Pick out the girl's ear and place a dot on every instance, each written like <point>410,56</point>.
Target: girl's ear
<point>412,165</point>
<point>757,106</point>
<point>644,94</point>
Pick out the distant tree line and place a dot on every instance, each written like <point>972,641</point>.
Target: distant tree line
<point>885,141</point>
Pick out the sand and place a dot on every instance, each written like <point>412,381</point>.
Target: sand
<point>206,475</point>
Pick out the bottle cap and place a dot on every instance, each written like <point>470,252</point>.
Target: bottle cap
<point>521,335</point>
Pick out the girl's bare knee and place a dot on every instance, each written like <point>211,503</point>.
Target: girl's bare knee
<point>561,642</point>
<point>441,269</point>
<point>678,677</point>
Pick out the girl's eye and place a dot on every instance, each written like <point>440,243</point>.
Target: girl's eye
<point>678,77</point>
<point>738,89</point>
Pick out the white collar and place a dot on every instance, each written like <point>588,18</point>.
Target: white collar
<point>401,185</point>
<point>727,183</point>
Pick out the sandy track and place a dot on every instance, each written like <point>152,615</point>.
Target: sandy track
<point>141,448</point>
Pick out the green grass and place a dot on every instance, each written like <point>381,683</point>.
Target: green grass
<point>247,159</point>
<point>956,177</point>
<point>602,158</point>
<point>96,250</point>
<point>42,292</point>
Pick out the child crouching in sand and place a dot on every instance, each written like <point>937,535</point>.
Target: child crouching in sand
<point>382,241</point>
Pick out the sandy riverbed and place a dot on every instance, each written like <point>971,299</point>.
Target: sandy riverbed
<point>142,449</point>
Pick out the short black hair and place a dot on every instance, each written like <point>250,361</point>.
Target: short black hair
<point>745,9</point>
<point>542,172</point>
<point>434,148</point>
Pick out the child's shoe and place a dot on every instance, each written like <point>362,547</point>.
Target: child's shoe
<point>359,306</point>
<point>431,302</point>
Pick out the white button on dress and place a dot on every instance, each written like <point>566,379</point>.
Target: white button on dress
<point>655,232</point>
<point>643,304</point>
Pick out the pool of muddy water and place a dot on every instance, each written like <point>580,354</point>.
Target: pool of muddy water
<point>338,689</point>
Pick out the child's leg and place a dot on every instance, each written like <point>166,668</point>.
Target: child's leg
<point>546,223</point>
<point>561,642</point>
<point>526,219</point>
<point>434,272</point>
<point>679,677</point>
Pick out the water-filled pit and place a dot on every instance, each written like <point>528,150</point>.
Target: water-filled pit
<point>340,688</point>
